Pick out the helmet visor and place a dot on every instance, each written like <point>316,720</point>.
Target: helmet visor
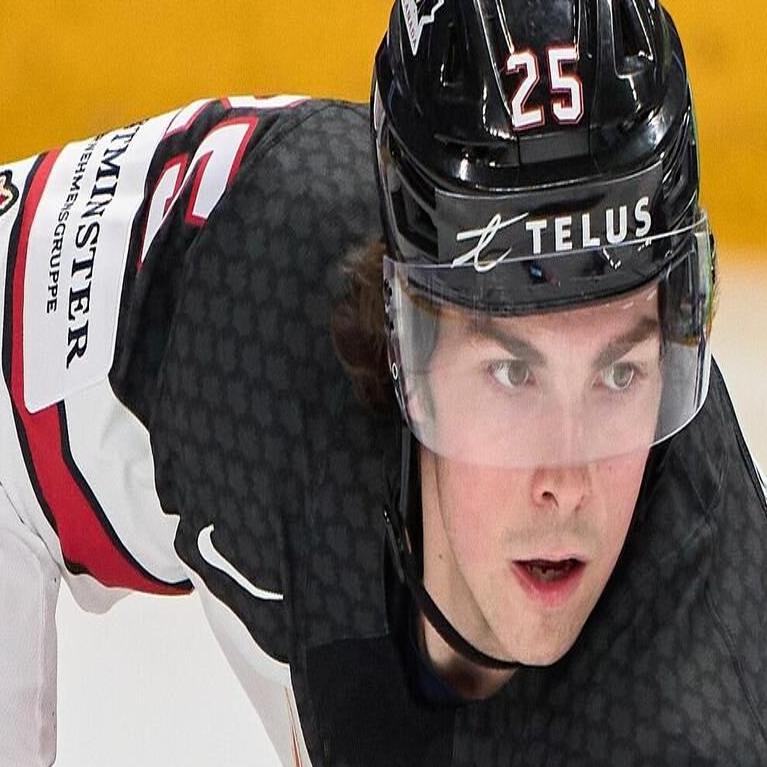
<point>499,383</point>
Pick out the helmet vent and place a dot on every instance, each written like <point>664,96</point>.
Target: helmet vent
<point>413,221</point>
<point>631,39</point>
<point>412,198</point>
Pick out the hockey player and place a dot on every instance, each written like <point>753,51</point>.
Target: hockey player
<point>535,536</point>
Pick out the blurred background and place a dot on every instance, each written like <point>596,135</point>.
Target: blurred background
<point>146,684</point>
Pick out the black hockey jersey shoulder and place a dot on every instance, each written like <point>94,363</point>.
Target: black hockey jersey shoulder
<point>247,381</point>
<point>310,130</point>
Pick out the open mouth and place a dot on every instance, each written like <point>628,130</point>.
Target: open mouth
<point>549,582</point>
<point>546,570</point>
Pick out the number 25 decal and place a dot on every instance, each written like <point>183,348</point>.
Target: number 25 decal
<point>567,107</point>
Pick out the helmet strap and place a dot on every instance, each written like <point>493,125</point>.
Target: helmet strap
<point>395,511</point>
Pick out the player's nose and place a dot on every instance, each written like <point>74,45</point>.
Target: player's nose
<point>561,488</point>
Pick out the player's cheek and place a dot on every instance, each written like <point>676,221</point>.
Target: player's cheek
<point>482,510</point>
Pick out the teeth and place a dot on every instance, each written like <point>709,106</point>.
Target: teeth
<point>551,571</point>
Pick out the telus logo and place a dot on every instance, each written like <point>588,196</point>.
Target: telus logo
<point>558,234</point>
<point>572,232</point>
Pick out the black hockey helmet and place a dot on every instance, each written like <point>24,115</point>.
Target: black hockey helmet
<point>496,96</point>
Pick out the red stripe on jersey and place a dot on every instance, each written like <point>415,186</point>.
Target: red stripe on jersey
<point>84,540</point>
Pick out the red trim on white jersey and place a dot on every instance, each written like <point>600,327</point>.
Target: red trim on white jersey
<point>161,200</point>
<point>197,210</point>
<point>186,116</point>
<point>79,522</point>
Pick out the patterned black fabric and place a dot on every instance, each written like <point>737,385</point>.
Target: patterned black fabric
<point>243,419</point>
<point>256,431</point>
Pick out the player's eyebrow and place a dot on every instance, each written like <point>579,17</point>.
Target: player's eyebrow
<point>485,329</point>
<point>645,327</point>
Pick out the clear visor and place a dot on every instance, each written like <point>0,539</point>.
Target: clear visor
<point>556,387</point>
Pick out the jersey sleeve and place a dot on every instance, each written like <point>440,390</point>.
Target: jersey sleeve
<point>94,237</point>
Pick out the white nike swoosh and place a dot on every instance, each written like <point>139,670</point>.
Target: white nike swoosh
<point>212,556</point>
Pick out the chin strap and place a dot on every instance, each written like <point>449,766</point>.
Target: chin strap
<point>406,565</point>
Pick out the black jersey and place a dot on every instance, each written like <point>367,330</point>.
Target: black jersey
<point>174,416</point>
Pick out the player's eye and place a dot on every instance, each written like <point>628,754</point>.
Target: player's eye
<point>512,374</point>
<point>619,376</point>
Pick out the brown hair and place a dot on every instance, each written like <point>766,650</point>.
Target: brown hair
<point>357,326</point>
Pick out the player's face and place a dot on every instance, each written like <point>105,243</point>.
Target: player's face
<point>518,557</point>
